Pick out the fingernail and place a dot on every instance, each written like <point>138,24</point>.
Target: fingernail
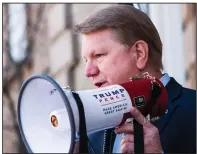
<point>116,130</point>
<point>131,110</point>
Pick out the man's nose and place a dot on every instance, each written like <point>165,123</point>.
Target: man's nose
<point>91,69</point>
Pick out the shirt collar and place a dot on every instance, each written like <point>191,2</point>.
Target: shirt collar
<point>165,79</point>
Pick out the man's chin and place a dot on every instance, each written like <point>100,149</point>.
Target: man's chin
<point>104,85</point>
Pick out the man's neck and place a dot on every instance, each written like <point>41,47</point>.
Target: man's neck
<point>156,74</point>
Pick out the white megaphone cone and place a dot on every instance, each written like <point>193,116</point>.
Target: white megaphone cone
<point>38,126</point>
<point>49,116</point>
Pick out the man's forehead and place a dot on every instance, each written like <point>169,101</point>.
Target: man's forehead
<point>100,35</point>
<point>91,44</point>
<point>97,41</point>
<point>90,50</point>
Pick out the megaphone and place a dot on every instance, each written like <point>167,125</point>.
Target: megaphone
<point>49,115</point>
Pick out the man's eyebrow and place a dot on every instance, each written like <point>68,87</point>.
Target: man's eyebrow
<point>89,54</point>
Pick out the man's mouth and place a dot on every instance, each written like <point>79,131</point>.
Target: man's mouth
<point>100,84</point>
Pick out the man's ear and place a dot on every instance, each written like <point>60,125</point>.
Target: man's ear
<point>141,54</point>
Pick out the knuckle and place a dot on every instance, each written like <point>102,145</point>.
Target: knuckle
<point>127,126</point>
<point>135,111</point>
<point>123,148</point>
<point>130,138</point>
<point>125,138</point>
<point>127,145</point>
<point>155,130</point>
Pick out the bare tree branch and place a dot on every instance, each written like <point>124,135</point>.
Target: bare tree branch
<point>33,31</point>
<point>15,74</point>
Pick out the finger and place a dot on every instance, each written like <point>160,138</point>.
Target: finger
<point>127,147</point>
<point>125,128</point>
<point>127,138</point>
<point>139,117</point>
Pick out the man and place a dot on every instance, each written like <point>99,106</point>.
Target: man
<point>119,42</point>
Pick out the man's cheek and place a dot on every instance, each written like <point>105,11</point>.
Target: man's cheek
<point>104,67</point>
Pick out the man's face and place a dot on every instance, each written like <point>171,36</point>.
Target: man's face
<point>107,60</point>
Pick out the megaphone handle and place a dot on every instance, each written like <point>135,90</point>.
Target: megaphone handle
<point>83,141</point>
<point>109,137</point>
<point>138,137</point>
<point>138,128</point>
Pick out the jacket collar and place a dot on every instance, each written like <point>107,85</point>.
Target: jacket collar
<point>174,91</point>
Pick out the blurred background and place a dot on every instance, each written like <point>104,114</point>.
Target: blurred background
<point>38,38</point>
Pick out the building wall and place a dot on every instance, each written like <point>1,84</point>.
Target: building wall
<point>56,52</point>
<point>189,28</point>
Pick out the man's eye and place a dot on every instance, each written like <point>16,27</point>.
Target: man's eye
<point>99,56</point>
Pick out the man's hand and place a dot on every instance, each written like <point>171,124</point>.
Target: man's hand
<point>151,135</point>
